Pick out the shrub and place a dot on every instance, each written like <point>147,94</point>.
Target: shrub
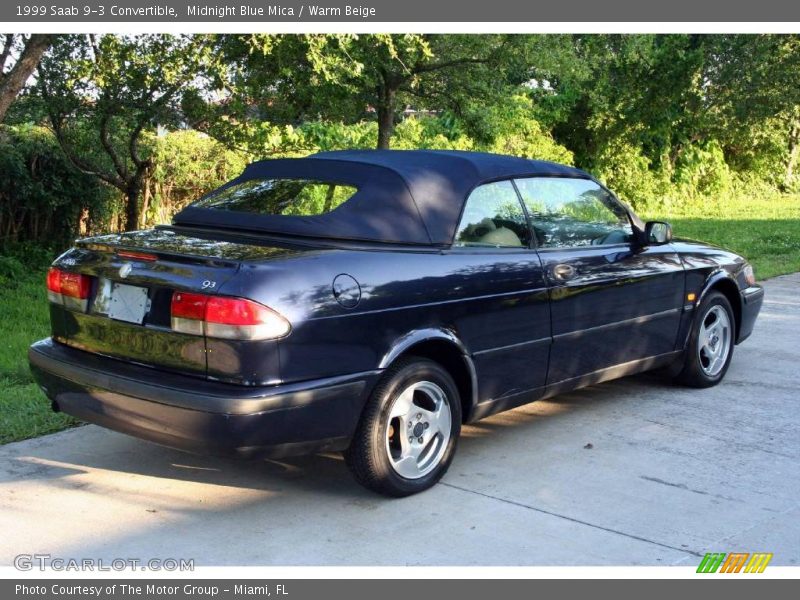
<point>42,196</point>
<point>626,171</point>
<point>11,270</point>
<point>321,136</point>
<point>701,170</point>
<point>45,200</point>
<point>512,128</point>
<point>187,164</point>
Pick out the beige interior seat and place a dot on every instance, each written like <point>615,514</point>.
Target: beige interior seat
<point>500,236</point>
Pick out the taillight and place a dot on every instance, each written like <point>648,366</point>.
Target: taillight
<point>187,312</point>
<point>68,289</point>
<point>225,317</point>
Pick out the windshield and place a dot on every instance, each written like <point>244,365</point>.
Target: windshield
<point>296,197</point>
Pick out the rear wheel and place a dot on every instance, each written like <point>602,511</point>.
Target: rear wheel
<point>407,435</point>
<point>711,344</point>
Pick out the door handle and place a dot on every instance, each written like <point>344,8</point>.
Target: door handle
<point>564,272</point>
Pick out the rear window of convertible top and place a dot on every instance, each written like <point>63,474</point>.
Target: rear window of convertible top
<point>295,197</point>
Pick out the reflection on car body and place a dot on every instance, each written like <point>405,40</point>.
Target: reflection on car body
<point>373,301</point>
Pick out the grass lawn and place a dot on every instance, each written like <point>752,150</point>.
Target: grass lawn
<point>767,232</point>
<point>24,410</point>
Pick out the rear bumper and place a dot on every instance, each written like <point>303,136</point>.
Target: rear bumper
<point>752,299</point>
<point>198,415</point>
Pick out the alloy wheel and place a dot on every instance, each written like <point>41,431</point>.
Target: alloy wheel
<point>713,344</point>
<point>418,429</point>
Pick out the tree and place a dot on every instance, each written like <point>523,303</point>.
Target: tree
<point>291,79</point>
<point>103,93</point>
<point>13,80</point>
<point>640,90</point>
<point>756,86</point>
<point>668,99</point>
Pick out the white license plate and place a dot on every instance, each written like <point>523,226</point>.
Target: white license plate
<point>128,303</point>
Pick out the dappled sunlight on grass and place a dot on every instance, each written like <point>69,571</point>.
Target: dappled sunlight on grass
<point>762,208</point>
<point>764,230</point>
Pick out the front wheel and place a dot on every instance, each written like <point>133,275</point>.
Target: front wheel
<point>407,435</point>
<point>711,344</point>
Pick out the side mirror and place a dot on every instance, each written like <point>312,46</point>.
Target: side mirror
<point>657,233</point>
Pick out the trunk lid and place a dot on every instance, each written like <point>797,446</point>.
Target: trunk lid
<point>134,276</point>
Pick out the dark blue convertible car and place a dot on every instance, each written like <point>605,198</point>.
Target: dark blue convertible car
<point>373,301</point>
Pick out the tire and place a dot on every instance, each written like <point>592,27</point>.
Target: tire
<point>386,454</point>
<point>707,360</point>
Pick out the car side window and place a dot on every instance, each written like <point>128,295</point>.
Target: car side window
<point>567,212</point>
<point>493,217</point>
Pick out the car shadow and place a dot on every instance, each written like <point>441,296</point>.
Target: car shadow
<point>125,454</point>
<point>324,473</point>
<point>617,390</point>
<point>288,511</point>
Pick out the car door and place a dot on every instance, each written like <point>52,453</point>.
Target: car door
<point>611,300</point>
<point>504,318</point>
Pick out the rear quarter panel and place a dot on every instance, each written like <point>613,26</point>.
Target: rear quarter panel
<point>488,300</point>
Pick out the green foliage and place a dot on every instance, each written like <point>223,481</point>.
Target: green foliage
<point>23,302</point>
<point>669,122</point>
<point>698,116</point>
<point>762,156</point>
<point>11,270</point>
<point>626,171</point>
<point>186,165</point>
<point>321,136</point>
<point>115,88</point>
<point>513,129</point>
<point>287,79</point>
<point>701,170</point>
<point>42,196</point>
<point>431,133</point>
<point>26,413</point>
<point>765,229</point>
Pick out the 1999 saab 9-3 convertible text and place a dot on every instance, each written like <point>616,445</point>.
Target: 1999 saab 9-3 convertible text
<point>373,301</point>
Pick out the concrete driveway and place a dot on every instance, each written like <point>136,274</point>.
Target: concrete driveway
<point>626,473</point>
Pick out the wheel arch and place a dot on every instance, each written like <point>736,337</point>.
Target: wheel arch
<point>445,348</point>
<point>724,283</point>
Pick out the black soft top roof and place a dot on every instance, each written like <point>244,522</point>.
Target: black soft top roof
<point>404,196</point>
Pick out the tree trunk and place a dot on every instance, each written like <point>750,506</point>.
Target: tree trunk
<point>132,203</point>
<point>387,95</point>
<point>794,151</point>
<point>145,201</point>
<point>11,83</point>
<point>135,185</point>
